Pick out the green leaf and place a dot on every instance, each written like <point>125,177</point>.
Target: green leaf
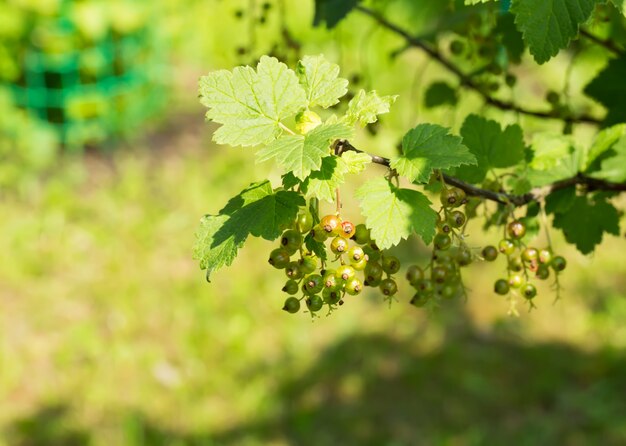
<point>586,221</point>
<point>619,4</point>
<point>320,80</point>
<point>364,108</point>
<point>318,248</point>
<point>428,147</point>
<point>603,145</point>
<point>614,167</point>
<point>555,158</point>
<point>392,213</point>
<point>356,162</point>
<point>510,37</point>
<point>322,183</point>
<point>302,154</point>
<point>332,11</point>
<point>609,89</point>
<point>492,146</point>
<point>250,104</point>
<point>257,211</point>
<point>440,93</point>
<point>549,25</point>
<point>560,201</point>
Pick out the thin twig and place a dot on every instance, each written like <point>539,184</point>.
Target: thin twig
<point>537,194</point>
<point>467,81</point>
<point>607,44</point>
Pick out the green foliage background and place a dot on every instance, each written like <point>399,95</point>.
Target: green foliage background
<point>109,335</point>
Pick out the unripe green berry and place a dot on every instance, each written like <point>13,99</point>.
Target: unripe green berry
<point>558,263</point>
<point>390,264</point>
<point>304,222</point>
<point>515,264</point>
<point>419,299</point>
<point>361,234</point>
<point>490,253</point>
<point>330,280</point>
<point>314,303</point>
<point>456,219</point>
<point>442,241</point>
<point>439,274</point>
<point>501,287</point>
<point>293,271</point>
<point>360,265</point>
<point>414,274</point>
<point>308,263</point>
<point>388,287</point>
<point>356,254</point>
<point>464,257</point>
<point>529,291</point>
<point>279,258</point>
<point>319,235</point>
<point>292,305</point>
<point>313,284</point>
<point>425,286</point>
<point>291,287</point>
<point>331,297</point>
<point>373,272</point>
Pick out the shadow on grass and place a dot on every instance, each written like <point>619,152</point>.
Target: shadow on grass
<point>374,390</point>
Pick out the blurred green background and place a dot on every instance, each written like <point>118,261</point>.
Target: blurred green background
<point>109,334</point>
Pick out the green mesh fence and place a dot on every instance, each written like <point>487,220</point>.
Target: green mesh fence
<point>90,91</point>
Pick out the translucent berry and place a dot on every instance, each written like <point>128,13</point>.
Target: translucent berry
<point>545,256</point>
<point>516,281</point>
<point>330,223</point>
<point>490,253</point>
<point>501,287</point>
<point>529,291</point>
<point>516,229</point>
<point>291,240</point>
<point>356,254</point>
<point>388,287</point>
<point>292,305</point>
<point>291,287</point>
<point>390,264</point>
<point>331,281</point>
<point>530,254</point>
<point>442,241</point>
<point>360,265</point>
<point>414,274</point>
<point>354,286</point>
<point>558,263</point>
<point>451,197</point>
<point>314,303</point>
<point>279,258</point>
<point>506,247</point>
<point>347,229</point>
<point>339,245</point>
<point>345,273</point>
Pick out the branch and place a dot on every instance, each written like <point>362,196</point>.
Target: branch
<point>537,194</point>
<point>607,44</point>
<point>467,81</point>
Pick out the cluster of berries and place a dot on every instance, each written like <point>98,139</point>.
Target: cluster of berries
<point>523,262</point>
<point>450,254</point>
<point>354,263</point>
